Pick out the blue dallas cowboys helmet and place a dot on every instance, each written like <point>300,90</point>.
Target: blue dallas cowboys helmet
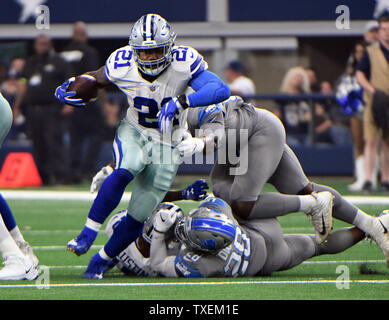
<point>152,32</point>
<point>206,230</point>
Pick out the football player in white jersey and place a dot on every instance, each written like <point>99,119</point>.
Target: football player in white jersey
<point>155,75</point>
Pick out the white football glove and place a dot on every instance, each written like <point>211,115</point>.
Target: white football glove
<point>166,217</point>
<point>99,178</point>
<point>190,145</point>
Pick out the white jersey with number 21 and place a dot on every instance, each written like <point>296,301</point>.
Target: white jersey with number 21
<point>145,98</point>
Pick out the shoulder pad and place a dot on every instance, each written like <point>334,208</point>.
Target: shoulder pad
<point>119,63</point>
<point>207,113</point>
<point>235,103</point>
<point>187,59</point>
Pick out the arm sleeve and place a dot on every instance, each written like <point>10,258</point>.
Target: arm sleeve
<point>209,89</point>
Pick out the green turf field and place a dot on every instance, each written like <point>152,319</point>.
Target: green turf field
<point>49,224</point>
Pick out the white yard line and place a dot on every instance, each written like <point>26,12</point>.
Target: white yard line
<point>221,283</point>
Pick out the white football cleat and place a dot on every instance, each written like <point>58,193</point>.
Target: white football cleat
<point>380,233</point>
<point>27,251</point>
<point>18,268</point>
<point>321,214</point>
<point>356,186</point>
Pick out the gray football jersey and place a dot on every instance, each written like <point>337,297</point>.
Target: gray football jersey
<point>230,119</point>
<point>242,121</point>
<point>238,114</point>
<point>244,257</point>
<point>253,152</point>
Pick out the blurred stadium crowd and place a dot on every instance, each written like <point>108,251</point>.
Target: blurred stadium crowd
<point>67,141</point>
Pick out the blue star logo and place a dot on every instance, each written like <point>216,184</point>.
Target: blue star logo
<point>28,9</point>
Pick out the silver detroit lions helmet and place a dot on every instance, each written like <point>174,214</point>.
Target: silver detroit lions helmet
<point>206,230</point>
<point>152,32</point>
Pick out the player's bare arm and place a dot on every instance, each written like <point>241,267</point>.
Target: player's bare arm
<point>98,74</point>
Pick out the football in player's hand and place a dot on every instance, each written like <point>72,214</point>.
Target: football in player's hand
<point>85,87</point>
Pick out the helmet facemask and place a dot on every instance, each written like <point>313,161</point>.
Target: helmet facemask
<point>156,66</point>
<point>152,41</point>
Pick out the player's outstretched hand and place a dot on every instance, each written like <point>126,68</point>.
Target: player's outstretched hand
<point>66,97</point>
<point>99,178</point>
<point>190,145</point>
<point>166,116</point>
<point>166,217</point>
<point>196,191</point>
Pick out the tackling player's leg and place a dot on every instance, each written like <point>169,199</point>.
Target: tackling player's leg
<point>374,227</point>
<point>318,206</point>
<point>290,178</point>
<point>304,247</point>
<point>288,251</point>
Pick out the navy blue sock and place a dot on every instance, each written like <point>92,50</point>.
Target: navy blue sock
<point>126,232</point>
<point>110,194</point>
<point>7,215</point>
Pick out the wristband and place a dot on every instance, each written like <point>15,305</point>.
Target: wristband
<point>184,101</point>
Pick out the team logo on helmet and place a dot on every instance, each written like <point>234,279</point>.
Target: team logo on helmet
<point>206,230</point>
